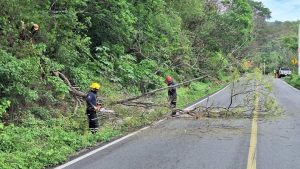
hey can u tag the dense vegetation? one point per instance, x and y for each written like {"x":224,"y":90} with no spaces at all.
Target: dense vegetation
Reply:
{"x":276,"y":45}
{"x":124,"y":45}
{"x":293,"y":80}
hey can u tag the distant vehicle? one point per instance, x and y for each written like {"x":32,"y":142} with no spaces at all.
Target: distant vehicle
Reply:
{"x":284,"y":72}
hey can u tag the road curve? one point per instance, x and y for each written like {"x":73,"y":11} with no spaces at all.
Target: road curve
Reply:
{"x":179,"y":144}
{"x":209,"y":143}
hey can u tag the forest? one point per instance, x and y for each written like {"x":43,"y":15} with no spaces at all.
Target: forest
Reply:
{"x":51,"y":51}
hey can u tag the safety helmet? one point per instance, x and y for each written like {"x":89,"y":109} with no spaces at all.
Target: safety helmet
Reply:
{"x":95,"y":86}
{"x":35,"y":27}
{"x":168,"y":79}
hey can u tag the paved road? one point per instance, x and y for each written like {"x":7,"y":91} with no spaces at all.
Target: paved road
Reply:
{"x":279,"y":138}
{"x":209,"y":143}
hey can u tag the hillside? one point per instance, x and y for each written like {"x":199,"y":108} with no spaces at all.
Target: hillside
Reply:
{"x":51,"y":51}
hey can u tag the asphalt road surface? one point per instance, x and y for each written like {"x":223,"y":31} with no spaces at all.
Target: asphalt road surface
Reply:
{"x":210,"y":143}
{"x":279,"y":138}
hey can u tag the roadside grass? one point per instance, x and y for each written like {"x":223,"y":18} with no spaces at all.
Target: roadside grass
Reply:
{"x":195,"y":91}
{"x":293,"y":80}
{"x":37,"y":143}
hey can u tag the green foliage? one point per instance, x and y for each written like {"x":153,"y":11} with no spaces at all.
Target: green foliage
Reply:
{"x":239,"y":18}
{"x":294,"y":80}
{"x":59,"y":87}
{"x":111,"y":21}
{"x":41,"y":143}
{"x":39,"y":113}
{"x":4,"y":104}
{"x":195,"y":91}
{"x":105,"y":61}
{"x":129,"y":40}
{"x":290,"y":42}
{"x":81,"y":76}
{"x":121,"y":44}
{"x":18,"y":77}
{"x":127,"y":70}
{"x":260,"y":10}
{"x":217,"y":60}
{"x":277,"y":50}
{"x":134,"y":73}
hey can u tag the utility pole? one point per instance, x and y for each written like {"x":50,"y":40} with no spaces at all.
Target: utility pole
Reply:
{"x":298,"y":63}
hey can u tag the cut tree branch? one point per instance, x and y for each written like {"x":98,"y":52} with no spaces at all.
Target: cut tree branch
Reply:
{"x":157,"y":90}
{"x":72,"y":89}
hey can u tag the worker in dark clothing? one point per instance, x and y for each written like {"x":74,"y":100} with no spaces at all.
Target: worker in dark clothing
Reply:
{"x":31,"y":33}
{"x":93,"y":107}
{"x":172,"y":95}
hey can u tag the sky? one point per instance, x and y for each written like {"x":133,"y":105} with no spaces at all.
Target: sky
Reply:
{"x":283,"y":10}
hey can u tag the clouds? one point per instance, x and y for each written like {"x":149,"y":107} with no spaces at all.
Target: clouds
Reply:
{"x":283,"y":10}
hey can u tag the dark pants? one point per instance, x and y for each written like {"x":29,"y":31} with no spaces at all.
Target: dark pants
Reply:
{"x":173,"y":107}
{"x":93,"y":121}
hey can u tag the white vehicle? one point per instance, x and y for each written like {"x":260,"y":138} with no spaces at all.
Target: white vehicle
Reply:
{"x":284,"y":72}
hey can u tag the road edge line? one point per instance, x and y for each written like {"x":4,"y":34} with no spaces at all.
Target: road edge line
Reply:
{"x":100,"y":149}
{"x":290,"y":86}
{"x":204,"y":99}
{"x":127,"y":136}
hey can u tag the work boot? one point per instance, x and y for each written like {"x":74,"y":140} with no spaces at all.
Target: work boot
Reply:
{"x":94,"y":130}
{"x":173,"y":114}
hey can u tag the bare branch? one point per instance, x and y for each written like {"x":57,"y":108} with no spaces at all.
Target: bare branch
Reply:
{"x":72,"y":89}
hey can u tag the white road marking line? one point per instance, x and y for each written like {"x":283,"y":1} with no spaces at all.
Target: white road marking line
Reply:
{"x":156,"y":123}
{"x":291,"y":86}
{"x":100,"y":149}
{"x":127,"y":136}
{"x":194,"y":105}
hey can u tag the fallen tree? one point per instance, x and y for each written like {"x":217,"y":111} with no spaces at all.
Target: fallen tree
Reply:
{"x":77,"y":95}
{"x":125,"y":101}
{"x":72,"y":89}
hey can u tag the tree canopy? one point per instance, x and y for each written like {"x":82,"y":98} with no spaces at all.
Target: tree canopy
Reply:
{"x":51,"y":50}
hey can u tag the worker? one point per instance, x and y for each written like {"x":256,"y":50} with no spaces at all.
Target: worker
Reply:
{"x":34,"y":28}
{"x":35,"y":37}
{"x":29,"y":34}
{"x":172,"y":95}
{"x":275,"y":73}
{"x":93,"y":107}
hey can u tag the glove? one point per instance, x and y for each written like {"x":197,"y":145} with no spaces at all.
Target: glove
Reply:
{"x":98,"y":107}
